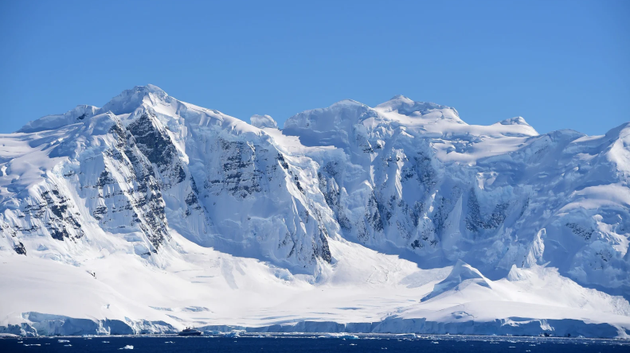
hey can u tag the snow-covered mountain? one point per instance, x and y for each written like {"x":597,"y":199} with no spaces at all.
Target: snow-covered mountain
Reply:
{"x":150,"y":213}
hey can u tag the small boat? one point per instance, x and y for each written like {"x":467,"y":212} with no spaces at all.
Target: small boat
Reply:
{"x":189,"y":331}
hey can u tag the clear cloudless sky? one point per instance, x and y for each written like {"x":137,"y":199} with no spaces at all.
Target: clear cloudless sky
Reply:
{"x":559,"y":64}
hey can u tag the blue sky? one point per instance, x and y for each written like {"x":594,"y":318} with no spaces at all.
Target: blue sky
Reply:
{"x":559,"y":64}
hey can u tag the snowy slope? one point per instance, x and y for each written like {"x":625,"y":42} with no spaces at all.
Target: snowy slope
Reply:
{"x":150,"y":213}
{"x":413,"y":177}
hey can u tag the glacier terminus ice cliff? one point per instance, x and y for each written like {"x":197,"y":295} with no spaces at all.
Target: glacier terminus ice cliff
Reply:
{"x":150,"y":214}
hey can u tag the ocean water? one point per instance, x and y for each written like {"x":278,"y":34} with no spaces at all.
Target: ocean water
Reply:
{"x":312,"y":343}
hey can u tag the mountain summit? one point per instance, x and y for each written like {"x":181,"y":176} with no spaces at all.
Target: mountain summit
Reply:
{"x":129,"y":100}
{"x":150,"y":214}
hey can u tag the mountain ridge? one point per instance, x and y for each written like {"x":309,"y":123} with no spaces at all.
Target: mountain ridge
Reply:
{"x":405,"y":184}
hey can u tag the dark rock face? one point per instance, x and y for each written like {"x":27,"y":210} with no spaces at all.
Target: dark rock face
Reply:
{"x":332,"y":194}
{"x":238,"y":175}
{"x":158,"y":147}
{"x":49,"y":213}
{"x":241,"y":173}
{"x":142,"y":204}
{"x":20,"y":249}
{"x":322,"y":250}
{"x":580,"y":231}
{"x":475,"y":222}
{"x":60,"y":222}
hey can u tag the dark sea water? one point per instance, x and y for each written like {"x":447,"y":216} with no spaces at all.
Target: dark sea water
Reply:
{"x":312,"y":343}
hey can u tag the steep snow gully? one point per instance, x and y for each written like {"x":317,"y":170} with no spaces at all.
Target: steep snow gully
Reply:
{"x":150,"y":214}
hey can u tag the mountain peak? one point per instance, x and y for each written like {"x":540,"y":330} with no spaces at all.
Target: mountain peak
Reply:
{"x":514,"y":121}
{"x":407,"y":106}
{"x":78,"y":113}
{"x":401,"y":98}
{"x":346,"y":102}
{"x":126,"y":102}
{"x":129,"y":100}
{"x":263,"y":121}
{"x":151,"y":88}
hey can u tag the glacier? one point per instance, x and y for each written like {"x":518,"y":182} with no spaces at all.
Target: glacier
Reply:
{"x":150,"y":214}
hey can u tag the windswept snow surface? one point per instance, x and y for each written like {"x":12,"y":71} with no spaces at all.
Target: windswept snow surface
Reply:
{"x":151,"y":214}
